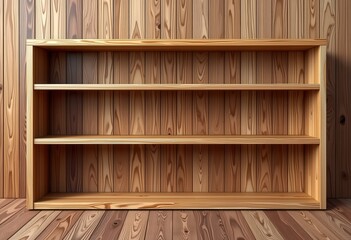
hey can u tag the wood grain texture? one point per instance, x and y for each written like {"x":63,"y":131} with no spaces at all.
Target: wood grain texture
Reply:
{"x":184,"y":99}
{"x":121,"y":121}
{"x":105,"y":102}
{"x":58,"y":125}
{"x":134,"y":225}
{"x":121,"y":100}
{"x":90,"y":104}
{"x":137,"y":99}
{"x":17,"y":221}
{"x":209,"y":225}
{"x":11,"y":100}
{"x":36,"y":225}
{"x":160,"y":225}
{"x":184,"y":226}
{"x":85,"y":225}
{"x":248,"y":99}
{"x":61,"y":225}
{"x":42,"y":20}
{"x":328,"y":31}
{"x":236,"y":225}
{"x":26,"y":18}
{"x":261,"y":226}
{"x":342,"y":72}
{"x":110,"y":225}
{"x":10,"y":209}
{"x":333,"y":223}
{"x":216,"y":98}
{"x":152,"y":99}
{"x":264,"y":99}
{"x":200,"y":99}
{"x":232,"y":99}
{"x":58,"y":167}
{"x":286,"y":225}
{"x":2,"y":99}
{"x":74,"y":121}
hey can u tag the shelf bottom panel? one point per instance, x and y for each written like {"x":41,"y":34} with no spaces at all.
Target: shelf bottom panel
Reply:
{"x":177,"y":201}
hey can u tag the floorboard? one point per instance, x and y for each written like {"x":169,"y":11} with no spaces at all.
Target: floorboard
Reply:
{"x":16,"y":222}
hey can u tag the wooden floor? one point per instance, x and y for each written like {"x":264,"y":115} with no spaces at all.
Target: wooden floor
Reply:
{"x":18,"y":223}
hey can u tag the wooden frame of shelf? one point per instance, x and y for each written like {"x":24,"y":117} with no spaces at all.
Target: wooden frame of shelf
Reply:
{"x":310,"y":145}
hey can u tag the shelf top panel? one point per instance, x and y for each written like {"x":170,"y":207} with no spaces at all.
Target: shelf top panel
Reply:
{"x":177,"y":44}
{"x":177,"y":139}
{"x":175,"y":87}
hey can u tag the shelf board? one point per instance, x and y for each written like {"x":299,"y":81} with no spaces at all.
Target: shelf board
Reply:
{"x":191,"y":87}
{"x":177,"y":201}
{"x":178,"y":139}
{"x":177,"y":44}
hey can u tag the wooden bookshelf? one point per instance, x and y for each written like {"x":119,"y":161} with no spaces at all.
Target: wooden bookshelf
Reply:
{"x":166,"y":124}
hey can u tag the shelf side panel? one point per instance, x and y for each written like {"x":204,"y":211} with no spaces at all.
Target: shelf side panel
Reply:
{"x":30,"y":124}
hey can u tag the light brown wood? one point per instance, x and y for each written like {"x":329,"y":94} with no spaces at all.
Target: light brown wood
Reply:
{"x":105,"y":102}
{"x":138,"y":220}
{"x":30,"y":132}
{"x":148,"y":94}
{"x":36,"y":225}
{"x":179,"y":139}
{"x":58,"y":99}
{"x":178,"y":87}
{"x":11,"y":99}
{"x":176,"y":44}
{"x":2,"y":98}
{"x":90,"y":105}
{"x":178,"y":200}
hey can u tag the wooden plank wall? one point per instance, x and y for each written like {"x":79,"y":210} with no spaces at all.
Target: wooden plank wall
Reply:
{"x":173,"y":19}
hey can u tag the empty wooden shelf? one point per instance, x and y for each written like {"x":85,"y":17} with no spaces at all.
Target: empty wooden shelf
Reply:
{"x":165,"y":124}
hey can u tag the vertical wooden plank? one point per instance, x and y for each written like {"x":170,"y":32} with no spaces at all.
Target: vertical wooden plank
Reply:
{"x":264,"y":98}
{"x":232,"y":98}
{"x":105,"y":102}
{"x":184,"y":98}
{"x":42,"y":19}
{"x":343,"y":101}
{"x":296,"y":29}
{"x":121,"y":99}
{"x":90,"y":99}
{"x":279,"y":99}
{"x":200,"y":98}
{"x":313,"y":160}
{"x":343,"y":169}
{"x":26,"y":32}
{"x":137,"y":98}
{"x":248,"y":99}
{"x":328,"y":31}
{"x":1,"y":100}
{"x":30,"y":132}
{"x":58,"y":123}
{"x":58,"y":99}
{"x":152,"y":98}
{"x":296,"y":19}
{"x":74,"y":114}
{"x":11,"y":99}
{"x":216,"y":98}
{"x":311,"y":18}
{"x":168,"y":103}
